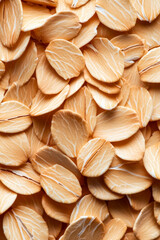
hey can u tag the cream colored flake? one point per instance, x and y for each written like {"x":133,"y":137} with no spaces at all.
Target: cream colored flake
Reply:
{"x":95,"y":157}
{"x":49,"y":82}
{"x":75,"y":84}
{"x":65,"y":58}
{"x":62,"y":25}
{"x":147,"y":10}
{"x":117,"y":15}
{"x":76,"y":3}
{"x":104,"y":61}
{"x":155,"y":94}
{"x":89,"y":206}
{"x":24,"y":223}
{"x":60,"y":184}
{"x":34,"y":16}
{"x":145,"y":226}
{"x":11,"y":16}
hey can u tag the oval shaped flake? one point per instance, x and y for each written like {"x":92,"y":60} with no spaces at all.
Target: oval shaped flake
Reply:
{"x":131,"y":45}
{"x":127,"y":178}
{"x":116,"y":125}
{"x":65,"y":58}
{"x":61,"y":184}
{"x":24,"y":223}
{"x":149,"y":66}
{"x":131,"y":149}
{"x":69,"y":132}
{"x":101,"y":54}
{"x":48,"y":156}
{"x":34,"y":16}
{"x":89,"y":206}
{"x":11,"y":16}
{"x":23,"y":180}
{"x":145,"y":226}
{"x":14,"y":117}
{"x":95,"y":157}
{"x":14,"y":149}
{"x":152,"y":160}
{"x":62,"y":25}
{"x":115,"y":229}
{"x":85,"y":228}
{"x":54,"y":83}
{"x":118,"y":15}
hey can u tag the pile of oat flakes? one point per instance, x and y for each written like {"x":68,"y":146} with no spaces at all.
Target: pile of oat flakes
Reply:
{"x":79,"y":119}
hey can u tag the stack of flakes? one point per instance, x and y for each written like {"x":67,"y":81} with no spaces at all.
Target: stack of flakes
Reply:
{"x":79,"y":119}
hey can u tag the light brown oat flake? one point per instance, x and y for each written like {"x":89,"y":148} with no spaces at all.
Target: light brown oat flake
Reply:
{"x":56,"y":210}
{"x":24,"y":223}
{"x":62,"y":25}
{"x":60,"y":184}
{"x":34,"y":16}
{"x":23,"y":94}
{"x":104,"y":61}
{"x":85,"y":228}
{"x":48,"y":156}
{"x":2,"y":69}
{"x":14,"y":149}
{"x":149,"y":66}
{"x":49,"y":82}
{"x":82,"y":103}
{"x":11,"y":16}
{"x":147,"y":10}
{"x":139,"y":200}
{"x":75,"y":84}
{"x":7,"y":198}
{"x":66,"y":58}
{"x":54,"y":226}
{"x":125,"y":90}
{"x":127,"y":178}
{"x":131,"y":45}
{"x":42,"y":128}
{"x":23,"y":68}
{"x":14,"y":117}
{"x":151,"y":160}
{"x":23,"y":180}
{"x":33,"y":201}
{"x":87,"y":32}
{"x":89,"y":206}
{"x":116,"y":125}
{"x":117,"y":15}
{"x":115,"y":229}
{"x":145,"y":226}
{"x":140,"y":100}
{"x":157,"y":212}
{"x":131,"y":149}
{"x":121,"y":209}
{"x":51,"y":3}
{"x":155,"y":94}
{"x":99,"y":189}
{"x":2,"y":92}
{"x":10,"y":54}
{"x":149,"y":32}
{"x":110,"y":88}
{"x":95,"y":157}
{"x":69,"y":132}
{"x":43,"y":104}
{"x":84,"y":13}
{"x":106,"y":32}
